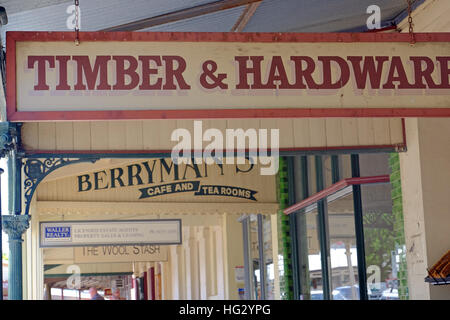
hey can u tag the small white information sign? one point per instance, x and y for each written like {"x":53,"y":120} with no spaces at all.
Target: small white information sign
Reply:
{"x":97,"y":233}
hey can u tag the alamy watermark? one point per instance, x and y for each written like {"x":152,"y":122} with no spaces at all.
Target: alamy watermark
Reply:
{"x":71,"y":21}
{"x":374,"y":20}
{"x":229,"y":149}
{"x":74,"y":281}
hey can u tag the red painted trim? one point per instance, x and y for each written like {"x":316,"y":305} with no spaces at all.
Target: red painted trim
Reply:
{"x":145,"y":286}
{"x":152,"y":283}
{"x":404,"y":146}
{"x":11,"y":103}
{"x":228,"y":36}
{"x":14,"y":116}
{"x":333,"y":189}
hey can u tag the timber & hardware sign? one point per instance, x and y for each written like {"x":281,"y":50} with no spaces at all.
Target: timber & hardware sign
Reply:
{"x":145,"y":75}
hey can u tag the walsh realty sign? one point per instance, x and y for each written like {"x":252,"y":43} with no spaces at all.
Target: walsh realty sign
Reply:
{"x":165,"y":75}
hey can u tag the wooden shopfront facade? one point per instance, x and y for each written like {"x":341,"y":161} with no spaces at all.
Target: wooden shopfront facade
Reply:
{"x":92,"y":125}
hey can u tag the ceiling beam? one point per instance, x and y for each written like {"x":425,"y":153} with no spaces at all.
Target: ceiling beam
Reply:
{"x":245,"y":17}
{"x":181,"y":15}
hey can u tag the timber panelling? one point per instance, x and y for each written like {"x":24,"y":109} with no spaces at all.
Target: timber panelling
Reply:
{"x":156,"y":134}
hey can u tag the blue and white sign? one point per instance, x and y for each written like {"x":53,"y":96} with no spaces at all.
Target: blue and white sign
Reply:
{"x":98,"y":233}
{"x":60,"y":233}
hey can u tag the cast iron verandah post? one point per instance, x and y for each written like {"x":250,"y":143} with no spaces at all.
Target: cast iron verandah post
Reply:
{"x":14,"y":224}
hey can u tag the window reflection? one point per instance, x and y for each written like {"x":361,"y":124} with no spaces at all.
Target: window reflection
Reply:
{"x":268,"y":259}
{"x":382,"y":229}
{"x":343,"y":253}
{"x":262,"y":276}
{"x":254,"y":254}
{"x":383,"y":257}
{"x":310,"y":260}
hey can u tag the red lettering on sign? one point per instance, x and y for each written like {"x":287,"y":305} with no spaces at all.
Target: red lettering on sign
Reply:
{"x":368,"y":71}
{"x":245,"y":71}
{"x":423,"y":74}
{"x":173,"y":73}
{"x":306,"y":74}
{"x":277,"y":73}
{"x":62,"y":85}
{"x":42,"y":84}
{"x":445,"y":72}
{"x":147,"y":71}
{"x":91,"y":74}
{"x":121,"y":72}
{"x":166,"y":72}
{"x":327,"y":79}
{"x":397,"y":68}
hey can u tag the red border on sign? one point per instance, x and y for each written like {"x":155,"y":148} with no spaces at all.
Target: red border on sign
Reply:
{"x":29,"y":116}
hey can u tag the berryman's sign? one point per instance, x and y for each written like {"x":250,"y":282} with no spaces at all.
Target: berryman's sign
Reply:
{"x":165,"y":75}
{"x":161,"y":177}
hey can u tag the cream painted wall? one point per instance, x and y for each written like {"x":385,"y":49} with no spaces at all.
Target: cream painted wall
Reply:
{"x":411,"y":178}
{"x":425,"y":171}
{"x":435,"y":163}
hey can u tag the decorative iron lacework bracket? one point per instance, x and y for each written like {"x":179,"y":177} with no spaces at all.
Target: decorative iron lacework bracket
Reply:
{"x":37,"y":169}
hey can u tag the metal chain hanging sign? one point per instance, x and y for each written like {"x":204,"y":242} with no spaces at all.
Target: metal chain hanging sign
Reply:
{"x":410,"y":23}
{"x":77,"y":22}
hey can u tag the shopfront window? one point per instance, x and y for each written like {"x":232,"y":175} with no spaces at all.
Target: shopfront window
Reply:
{"x":343,"y":251}
{"x":382,"y":254}
{"x":259,"y":267}
{"x":343,"y":218}
{"x":255,"y":261}
{"x":335,"y":168}
{"x":311,"y":266}
{"x":268,"y":258}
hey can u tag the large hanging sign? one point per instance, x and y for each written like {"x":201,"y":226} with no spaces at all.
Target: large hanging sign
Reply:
{"x":162,"y":180}
{"x":104,"y":233}
{"x":158,"y":178}
{"x":225,"y":75}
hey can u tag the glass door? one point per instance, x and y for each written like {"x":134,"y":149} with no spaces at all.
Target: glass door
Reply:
{"x":310,"y":254}
{"x":338,"y":230}
{"x":343,"y":251}
{"x":259,"y":269}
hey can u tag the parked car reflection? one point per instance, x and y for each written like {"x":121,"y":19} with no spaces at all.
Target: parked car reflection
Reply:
{"x":318,"y":295}
{"x":346,"y":293}
{"x":375,"y":290}
{"x":390,"y":294}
